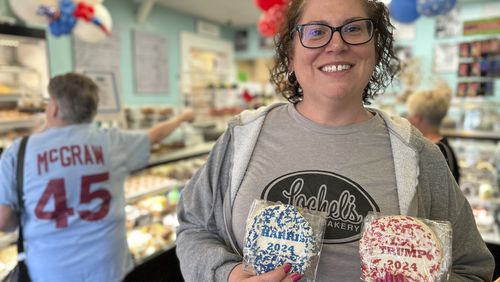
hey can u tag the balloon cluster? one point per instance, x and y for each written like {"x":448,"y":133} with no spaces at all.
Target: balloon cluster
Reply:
{"x":88,"y":21}
{"x":273,"y":16}
{"x":407,"y":11}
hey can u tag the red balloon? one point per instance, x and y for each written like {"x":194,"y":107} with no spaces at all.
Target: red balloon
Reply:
{"x":265,"y":5}
{"x":266,"y":27}
{"x":270,"y":22}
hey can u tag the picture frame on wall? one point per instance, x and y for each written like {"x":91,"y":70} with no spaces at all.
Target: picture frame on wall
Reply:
{"x":446,"y":57}
{"x":241,"y":40}
{"x":449,"y":24}
{"x":109,"y":99}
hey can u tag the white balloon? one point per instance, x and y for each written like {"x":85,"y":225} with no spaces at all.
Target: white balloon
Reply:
{"x":88,"y":31}
{"x":51,"y":3}
{"x":26,"y":10}
{"x":90,"y":2}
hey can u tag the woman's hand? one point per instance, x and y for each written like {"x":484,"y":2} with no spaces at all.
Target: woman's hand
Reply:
{"x":280,"y":274}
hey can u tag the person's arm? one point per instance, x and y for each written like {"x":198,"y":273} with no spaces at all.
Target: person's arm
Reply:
{"x":201,"y":245}
{"x":8,"y":219}
{"x":158,"y":132}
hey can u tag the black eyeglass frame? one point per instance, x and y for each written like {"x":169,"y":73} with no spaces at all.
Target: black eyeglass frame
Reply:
{"x":300,"y":29}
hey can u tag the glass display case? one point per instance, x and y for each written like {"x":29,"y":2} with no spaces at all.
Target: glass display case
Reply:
{"x":24,"y":75}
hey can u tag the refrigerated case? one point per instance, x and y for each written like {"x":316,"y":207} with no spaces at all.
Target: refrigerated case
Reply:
{"x":24,"y":75}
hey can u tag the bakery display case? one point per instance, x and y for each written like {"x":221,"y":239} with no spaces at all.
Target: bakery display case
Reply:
{"x":473,"y":128}
{"x":24,"y":75}
{"x":152,"y":195}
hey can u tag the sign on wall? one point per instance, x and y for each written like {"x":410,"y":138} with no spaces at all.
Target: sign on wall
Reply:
{"x":150,"y":63}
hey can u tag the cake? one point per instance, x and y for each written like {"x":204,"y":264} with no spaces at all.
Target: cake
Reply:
{"x":279,"y":234}
{"x":400,"y":245}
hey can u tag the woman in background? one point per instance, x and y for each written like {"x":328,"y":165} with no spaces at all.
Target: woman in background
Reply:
{"x":426,"y":111}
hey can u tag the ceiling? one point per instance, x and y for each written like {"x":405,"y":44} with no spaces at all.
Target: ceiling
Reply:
{"x":226,"y":12}
{"x":229,"y":12}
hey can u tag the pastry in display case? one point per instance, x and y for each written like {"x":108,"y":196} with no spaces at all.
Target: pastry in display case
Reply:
{"x":152,"y":195}
{"x":473,"y":130}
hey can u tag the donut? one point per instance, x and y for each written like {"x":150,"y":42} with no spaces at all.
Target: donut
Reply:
{"x":400,"y":244}
{"x":279,"y":234}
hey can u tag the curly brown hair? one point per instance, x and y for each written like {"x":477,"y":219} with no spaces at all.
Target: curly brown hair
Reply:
{"x":385,"y":70}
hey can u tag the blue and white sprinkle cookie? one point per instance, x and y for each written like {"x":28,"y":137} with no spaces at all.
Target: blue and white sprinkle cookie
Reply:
{"x":279,"y":234}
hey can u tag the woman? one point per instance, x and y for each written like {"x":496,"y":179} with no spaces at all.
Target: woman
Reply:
{"x":426,"y":111}
{"x":332,"y":57}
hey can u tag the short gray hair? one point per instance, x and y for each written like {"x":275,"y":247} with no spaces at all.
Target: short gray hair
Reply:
{"x":77,"y":97}
{"x":431,"y":105}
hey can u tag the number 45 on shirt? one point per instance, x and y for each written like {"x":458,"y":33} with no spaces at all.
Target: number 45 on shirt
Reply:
{"x":56,"y":188}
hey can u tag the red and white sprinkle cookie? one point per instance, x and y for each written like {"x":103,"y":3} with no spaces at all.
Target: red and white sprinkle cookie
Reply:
{"x":400,"y":245}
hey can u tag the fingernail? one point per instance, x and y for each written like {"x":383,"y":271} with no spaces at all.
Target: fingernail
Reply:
{"x":287,"y":267}
{"x":400,"y":277}
{"x":296,"y":277}
{"x":388,"y":277}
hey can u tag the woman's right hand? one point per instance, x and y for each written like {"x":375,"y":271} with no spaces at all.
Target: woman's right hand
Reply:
{"x":280,"y":274}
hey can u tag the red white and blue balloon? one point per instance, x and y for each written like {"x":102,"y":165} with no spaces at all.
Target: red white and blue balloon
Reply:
{"x":432,"y":8}
{"x":89,"y":20}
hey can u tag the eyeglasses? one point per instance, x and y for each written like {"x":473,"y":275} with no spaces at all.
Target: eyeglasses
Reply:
{"x":316,"y":35}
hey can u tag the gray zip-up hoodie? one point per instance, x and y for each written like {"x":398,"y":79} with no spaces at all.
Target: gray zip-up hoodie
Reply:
{"x":205,"y":245}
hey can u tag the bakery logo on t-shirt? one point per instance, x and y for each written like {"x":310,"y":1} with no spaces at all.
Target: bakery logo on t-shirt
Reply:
{"x":345,"y":202}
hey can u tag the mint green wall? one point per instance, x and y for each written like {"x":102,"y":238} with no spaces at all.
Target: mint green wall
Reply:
{"x":253,"y":50}
{"x":425,"y":40}
{"x":123,"y":13}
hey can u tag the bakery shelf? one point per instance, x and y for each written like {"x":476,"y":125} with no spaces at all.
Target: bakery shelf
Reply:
{"x":471,"y":134}
{"x":13,"y":97}
{"x":155,"y":190}
{"x":181,"y":154}
{"x":16,"y":69}
{"x":476,"y":78}
{"x":23,"y":123}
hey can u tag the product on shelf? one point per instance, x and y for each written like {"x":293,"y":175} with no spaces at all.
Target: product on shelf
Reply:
{"x":8,"y":259}
{"x":484,"y":219}
{"x":157,"y":205}
{"x":13,"y":115}
{"x":162,"y":148}
{"x":147,"y":240}
{"x":6,"y":90}
{"x":479,"y":65}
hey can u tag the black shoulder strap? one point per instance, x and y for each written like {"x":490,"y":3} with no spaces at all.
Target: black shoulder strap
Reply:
{"x":20,"y":182}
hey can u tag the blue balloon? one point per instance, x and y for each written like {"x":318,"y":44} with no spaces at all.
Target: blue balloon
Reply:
{"x":432,"y":8}
{"x":66,"y":21}
{"x":404,"y":11}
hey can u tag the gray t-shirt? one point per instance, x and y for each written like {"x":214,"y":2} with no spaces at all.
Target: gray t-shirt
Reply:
{"x":346,"y":171}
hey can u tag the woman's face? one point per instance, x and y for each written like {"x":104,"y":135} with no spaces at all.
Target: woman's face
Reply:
{"x":337,"y":71}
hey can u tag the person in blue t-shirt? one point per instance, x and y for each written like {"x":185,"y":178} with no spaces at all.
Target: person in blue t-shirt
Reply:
{"x":74,"y":173}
